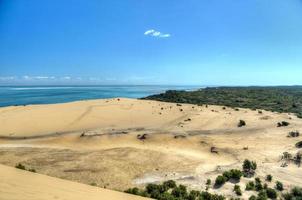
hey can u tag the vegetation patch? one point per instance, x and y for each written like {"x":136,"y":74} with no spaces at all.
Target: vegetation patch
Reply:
{"x":170,"y":191}
{"x":22,"y":167}
{"x":283,"y":123}
{"x":294,"y":134}
{"x":241,"y":123}
{"x":249,"y":168}
{"x":286,"y":99}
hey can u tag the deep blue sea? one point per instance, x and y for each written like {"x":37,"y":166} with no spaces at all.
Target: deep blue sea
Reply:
{"x":24,"y":95}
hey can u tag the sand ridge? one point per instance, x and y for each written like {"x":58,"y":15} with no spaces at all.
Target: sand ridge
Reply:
{"x":18,"y":184}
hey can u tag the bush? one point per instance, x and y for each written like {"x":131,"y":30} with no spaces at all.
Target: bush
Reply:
{"x":262,"y":195}
{"x":220,"y":180}
{"x":287,"y":196}
{"x":249,"y":168}
{"x":169,"y":184}
{"x":237,"y":190}
{"x":151,"y":188}
{"x":283,"y":123}
{"x":227,"y":175}
{"x":271,"y":193}
{"x":258,"y":185}
{"x":241,"y":123}
{"x":193,"y":195}
{"x":32,"y":170}
{"x":208,"y":182}
{"x":134,"y":190}
{"x":253,"y":197}
{"x":247,"y":165}
{"x":180,"y":191}
{"x":232,"y":174}
{"x":279,"y":186}
{"x":269,"y":178}
{"x":20,"y":166}
{"x":294,"y":134}
{"x":299,"y":144}
{"x":250,"y":186}
{"x":296,"y":192}
{"x":209,"y":196}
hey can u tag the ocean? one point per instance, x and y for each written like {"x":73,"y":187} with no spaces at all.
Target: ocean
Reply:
{"x":25,"y":95}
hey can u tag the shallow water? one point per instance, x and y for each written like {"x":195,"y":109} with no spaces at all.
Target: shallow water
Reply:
{"x":24,"y":95}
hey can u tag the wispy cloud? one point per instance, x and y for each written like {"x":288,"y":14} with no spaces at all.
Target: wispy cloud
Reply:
{"x":7,"y":78}
{"x":154,"y":33}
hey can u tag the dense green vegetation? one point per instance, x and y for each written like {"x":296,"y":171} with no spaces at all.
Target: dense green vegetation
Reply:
{"x":169,"y":190}
{"x":280,"y":99}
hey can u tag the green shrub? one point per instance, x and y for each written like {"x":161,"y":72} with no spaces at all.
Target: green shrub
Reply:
{"x":269,"y":178}
{"x":151,"y":188}
{"x":193,"y":195}
{"x":262,"y":195}
{"x":180,"y":191}
{"x":249,"y":168}
{"x":279,"y":186}
{"x":220,"y":180}
{"x":253,"y":197}
{"x":250,"y":186}
{"x":227,"y":175}
{"x":241,"y":123}
{"x":32,"y":170}
{"x":294,"y":134}
{"x":247,"y":165}
{"x":299,"y":144}
{"x":271,"y":193}
{"x":169,"y":184}
{"x":237,"y":190}
{"x":209,"y":196}
{"x":208,"y":182}
{"x":297,"y":192}
{"x":20,"y":166}
{"x":134,"y":190}
{"x":258,"y":185}
{"x":283,"y":123}
{"x":232,"y":174}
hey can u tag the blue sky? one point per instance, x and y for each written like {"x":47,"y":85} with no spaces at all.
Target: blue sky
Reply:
{"x":199,"y":42}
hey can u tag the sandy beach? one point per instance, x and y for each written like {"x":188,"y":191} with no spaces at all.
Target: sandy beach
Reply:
{"x":120,"y":143}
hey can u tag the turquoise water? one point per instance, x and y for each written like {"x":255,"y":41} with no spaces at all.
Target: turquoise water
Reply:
{"x":24,"y":95}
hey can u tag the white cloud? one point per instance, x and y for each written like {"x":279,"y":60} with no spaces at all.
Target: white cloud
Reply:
{"x":66,"y":78}
{"x":149,"y":32}
{"x":7,"y":78}
{"x":165,"y":35}
{"x":155,"y":33}
{"x":41,"y":77}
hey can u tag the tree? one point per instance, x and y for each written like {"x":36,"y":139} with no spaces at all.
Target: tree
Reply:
{"x":262,"y":195}
{"x":180,"y":191}
{"x":169,"y":184}
{"x":269,"y":178}
{"x":237,"y":190}
{"x":220,"y":180}
{"x":250,"y":186}
{"x":271,"y":193}
{"x":249,"y":168}
{"x":279,"y":186}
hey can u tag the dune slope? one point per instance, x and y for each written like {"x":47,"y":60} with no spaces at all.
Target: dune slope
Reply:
{"x":18,"y":184}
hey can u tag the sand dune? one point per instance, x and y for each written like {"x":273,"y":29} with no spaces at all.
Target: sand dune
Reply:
{"x":18,"y":184}
{"x":121,"y":143}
